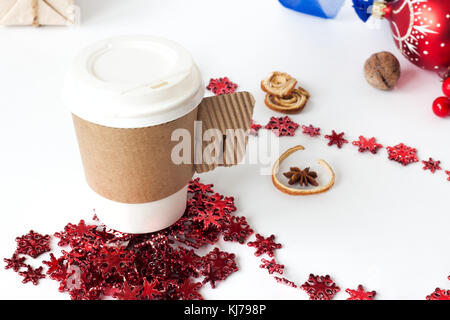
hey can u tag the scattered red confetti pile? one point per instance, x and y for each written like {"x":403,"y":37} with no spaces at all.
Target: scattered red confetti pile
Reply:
{"x":448,"y":173}
{"x":367,"y":144}
{"x":15,"y":263}
{"x":272,"y":266}
{"x":439,"y":294}
{"x":286,"y":282}
{"x":221,"y":86}
{"x":402,"y":154}
{"x":33,"y":244}
{"x":431,"y":165}
{"x":282,"y":126}
{"x":337,"y":139}
{"x":320,"y":287}
{"x":32,"y":275}
{"x":311,"y":131}
{"x":264,"y":245}
{"x":96,"y":262}
{"x":360,"y":294}
{"x":254,"y":128}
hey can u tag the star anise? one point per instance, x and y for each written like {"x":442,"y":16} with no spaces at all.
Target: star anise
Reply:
{"x":304,"y":177}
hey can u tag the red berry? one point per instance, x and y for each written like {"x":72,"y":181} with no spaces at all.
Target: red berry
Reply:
{"x":441,"y":107}
{"x":446,"y":87}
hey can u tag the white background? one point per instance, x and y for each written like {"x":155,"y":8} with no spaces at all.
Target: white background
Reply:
{"x":383,"y":225}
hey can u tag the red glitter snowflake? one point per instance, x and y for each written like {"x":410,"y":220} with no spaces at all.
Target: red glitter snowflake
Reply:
{"x":32,"y":275}
{"x":282,"y":126}
{"x":33,"y":244}
{"x":113,"y":260}
{"x":431,"y":165}
{"x":367,"y":144}
{"x":311,"y":131}
{"x":272,"y":266}
{"x":236,"y":229}
{"x":217,"y":266}
{"x":285,"y":282}
{"x":264,"y":245}
{"x":189,"y":290}
{"x":448,"y":174}
{"x":221,"y":205}
{"x":195,"y":186}
{"x":150,"y":291}
{"x":221,"y":86}
{"x":320,"y":287}
{"x":337,"y":139}
{"x":360,"y":294}
{"x":402,"y":154}
{"x":439,"y":294}
{"x":129,"y":292}
{"x":76,"y":233}
{"x":209,"y":218}
{"x":15,"y":262}
{"x":254,"y":128}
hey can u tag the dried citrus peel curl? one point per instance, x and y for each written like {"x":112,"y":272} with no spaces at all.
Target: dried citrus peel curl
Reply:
{"x":300,"y":192}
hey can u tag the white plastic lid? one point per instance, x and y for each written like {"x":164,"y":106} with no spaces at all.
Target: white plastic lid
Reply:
{"x":133,"y":82}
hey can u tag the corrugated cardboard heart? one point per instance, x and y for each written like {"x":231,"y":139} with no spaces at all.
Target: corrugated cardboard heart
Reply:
{"x":36,"y":12}
{"x":135,"y":165}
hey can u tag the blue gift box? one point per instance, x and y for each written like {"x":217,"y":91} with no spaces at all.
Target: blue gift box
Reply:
{"x":320,"y":8}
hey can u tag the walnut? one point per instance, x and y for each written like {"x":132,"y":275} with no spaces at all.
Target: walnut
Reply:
{"x":382,"y":70}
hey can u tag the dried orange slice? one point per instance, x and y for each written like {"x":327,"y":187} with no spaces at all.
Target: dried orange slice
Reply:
{"x":279,"y":84}
{"x":300,"y":192}
{"x":293,"y":102}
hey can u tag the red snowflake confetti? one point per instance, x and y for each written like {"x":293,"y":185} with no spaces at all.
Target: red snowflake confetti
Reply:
{"x":320,"y":287}
{"x":311,"y":131}
{"x":189,"y":290}
{"x":264,"y":245}
{"x":431,"y":165}
{"x":33,"y":244}
{"x":367,"y":144}
{"x":195,"y":186}
{"x":209,"y":218}
{"x":218,"y":265}
{"x":129,"y":292}
{"x":236,"y":229}
{"x":448,"y":173}
{"x":272,"y":266}
{"x":439,"y":294}
{"x":360,"y":294}
{"x":282,"y":126}
{"x":32,"y":275}
{"x":254,"y":128}
{"x":15,"y":263}
{"x":337,"y":139}
{"x":285,"y":282}
{"x":221,"y":86}
{"x":402,"y":154}
{"x":150,"y":291}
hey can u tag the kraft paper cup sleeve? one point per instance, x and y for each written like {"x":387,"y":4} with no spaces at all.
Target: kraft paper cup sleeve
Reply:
{"x":231,"y":114}
{"x":133,"y":165}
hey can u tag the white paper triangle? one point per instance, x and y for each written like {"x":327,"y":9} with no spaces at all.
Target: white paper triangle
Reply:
{"x":49,"y":16}
{"x":21,"y":13}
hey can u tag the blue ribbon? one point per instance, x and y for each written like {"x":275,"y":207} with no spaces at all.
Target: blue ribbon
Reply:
{"x":319,"y":8}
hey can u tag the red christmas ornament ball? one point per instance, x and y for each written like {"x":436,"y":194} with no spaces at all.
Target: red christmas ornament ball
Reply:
{"x":421,"y":30}
{"x":441,"y":107}
{"x":446,"y":87}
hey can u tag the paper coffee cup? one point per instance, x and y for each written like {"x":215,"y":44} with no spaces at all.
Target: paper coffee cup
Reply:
{"x":127,"y":96}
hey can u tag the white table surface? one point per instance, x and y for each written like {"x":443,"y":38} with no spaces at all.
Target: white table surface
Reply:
{"x":383,"y":225}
